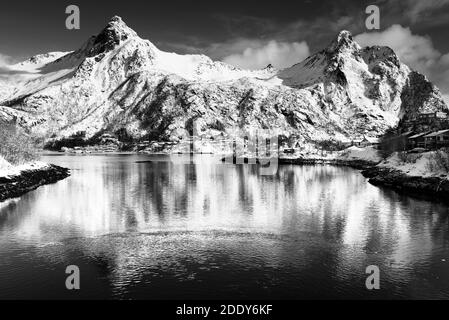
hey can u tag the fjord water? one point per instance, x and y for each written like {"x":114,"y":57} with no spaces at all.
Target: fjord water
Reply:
{"x":156,"y":227}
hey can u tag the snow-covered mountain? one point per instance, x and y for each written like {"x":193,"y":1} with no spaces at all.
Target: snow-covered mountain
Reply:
{"x":117,"y":81}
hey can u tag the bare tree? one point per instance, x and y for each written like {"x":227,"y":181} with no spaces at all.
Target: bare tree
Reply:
{"x":16,"y":146}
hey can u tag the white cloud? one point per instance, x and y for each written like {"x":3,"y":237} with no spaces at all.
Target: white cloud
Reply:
{"x":258,"y":54}
{"x":5,"y":67}
{"x":5,"y":61}
{"x":418,"y":52}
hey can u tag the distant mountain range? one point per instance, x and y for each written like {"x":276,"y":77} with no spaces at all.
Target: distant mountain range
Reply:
{"x":118,"y":82}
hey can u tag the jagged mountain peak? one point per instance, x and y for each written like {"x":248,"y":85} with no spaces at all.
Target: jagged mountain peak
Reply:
{"x":343,"y":42}
{"x":116,"y":20}
{"x":115,"y":33}
{"x":119,"y":27}
{"x":374,"y":55}
{"x":329,"y":64}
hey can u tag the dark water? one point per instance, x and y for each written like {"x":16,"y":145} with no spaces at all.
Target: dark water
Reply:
{"x":164,"y":229}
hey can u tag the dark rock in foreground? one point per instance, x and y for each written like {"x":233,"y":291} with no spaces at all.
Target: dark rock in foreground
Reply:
{"x":26,"y":181}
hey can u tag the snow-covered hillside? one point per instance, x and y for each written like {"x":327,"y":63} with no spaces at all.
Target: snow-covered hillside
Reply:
{"x":118,"y":82}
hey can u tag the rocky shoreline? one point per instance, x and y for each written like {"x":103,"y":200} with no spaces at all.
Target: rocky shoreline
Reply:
{"x":429,"y":187}
{"x":356,"y":164}
{"x":17,"y":185}
{"x":423,"y":187}
{"x":432,"y":188}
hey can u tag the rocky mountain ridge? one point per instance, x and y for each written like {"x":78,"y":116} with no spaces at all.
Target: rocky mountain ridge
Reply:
{"x":121,"y":84}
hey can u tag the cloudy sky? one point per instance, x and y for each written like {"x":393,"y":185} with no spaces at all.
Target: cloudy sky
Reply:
{"x":246,"y":33}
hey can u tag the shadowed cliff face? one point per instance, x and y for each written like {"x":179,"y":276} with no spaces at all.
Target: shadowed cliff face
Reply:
{"x":112,"y":35}
{"x":420,"y":96}
{"x":119,"y":82}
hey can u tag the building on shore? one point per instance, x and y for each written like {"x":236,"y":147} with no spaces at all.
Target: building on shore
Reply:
{"x":436,"y":139}
{"x":365,"y":141}
{"x":427,"y":121}
{"x":417,"y":140}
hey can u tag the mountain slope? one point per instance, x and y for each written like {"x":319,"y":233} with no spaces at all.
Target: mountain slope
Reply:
{"x":117,"y":82}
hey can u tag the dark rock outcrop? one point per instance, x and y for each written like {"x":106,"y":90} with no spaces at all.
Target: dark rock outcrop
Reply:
{"x":420,"y":96}
{"x":433,"y":187}
{"x":356,"y":164}
{"x":16,"y":186}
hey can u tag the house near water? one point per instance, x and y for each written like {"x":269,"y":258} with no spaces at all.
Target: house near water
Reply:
{"x":437,"y":139}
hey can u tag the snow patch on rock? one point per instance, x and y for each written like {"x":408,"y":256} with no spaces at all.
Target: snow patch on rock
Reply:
{"x":7,"y":170}
{"x":416,"y":165}
{"x":365,"y":154}
{"x":4,"y":165}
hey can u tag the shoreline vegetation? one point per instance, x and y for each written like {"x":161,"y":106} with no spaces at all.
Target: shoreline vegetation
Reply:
{"x":20,"y":172}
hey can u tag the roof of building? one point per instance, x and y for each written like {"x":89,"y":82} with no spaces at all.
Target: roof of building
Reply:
{"x":419,"y":135}
{"x":344,"y":140}
{"x":372,"y":139}
{"x":437,"y":133}
{"x":405,"y":134}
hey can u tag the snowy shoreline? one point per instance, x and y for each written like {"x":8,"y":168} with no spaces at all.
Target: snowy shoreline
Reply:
{"x":16,"y":181}
{"x":411,"y":177}
{"x":419,"y":186}
{"x":410,"y":174}
{"x":426,"y":186}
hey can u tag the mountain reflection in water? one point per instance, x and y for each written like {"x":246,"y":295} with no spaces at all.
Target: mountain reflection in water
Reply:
{"x":170,"y":229}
